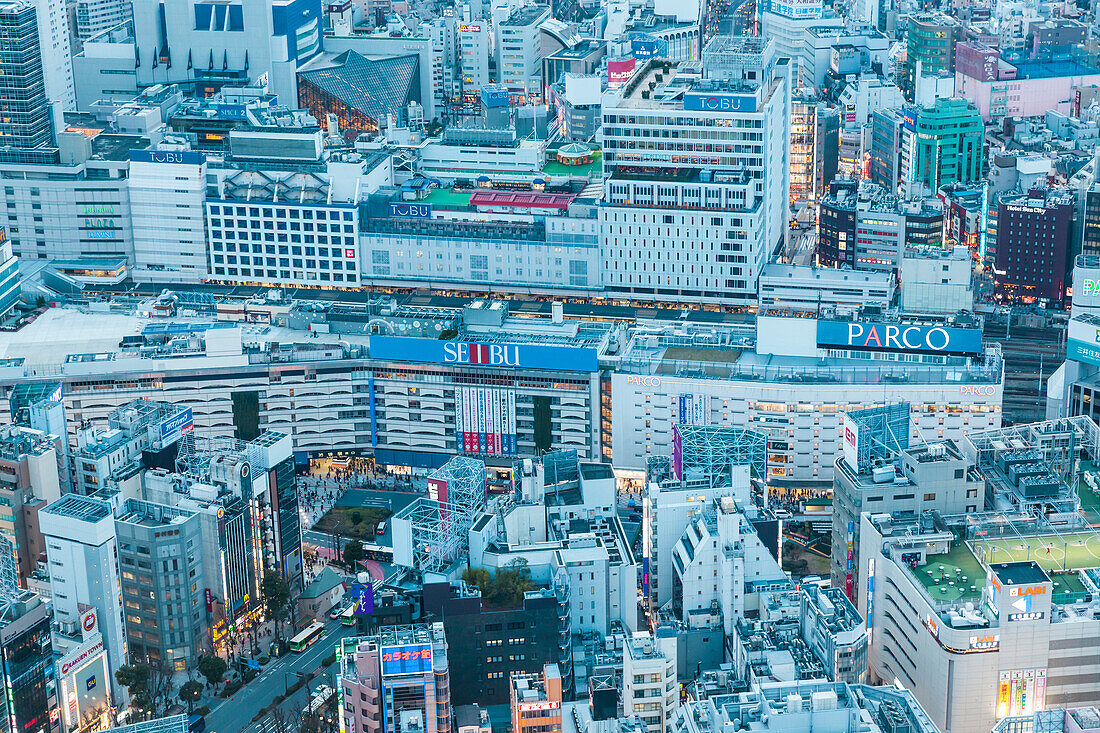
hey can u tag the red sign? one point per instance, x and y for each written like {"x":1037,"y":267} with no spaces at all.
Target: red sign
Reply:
{"x":619,"y":72}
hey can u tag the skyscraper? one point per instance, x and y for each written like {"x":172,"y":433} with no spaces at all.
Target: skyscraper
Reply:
{"x":26,"y":116}
{"x":27,"y":671}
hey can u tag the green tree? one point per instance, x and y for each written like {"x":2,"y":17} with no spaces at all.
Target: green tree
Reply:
{"x":190,"y":693}
{"x":356,"y":517}
{"x":212,"y":668}
{"x":135,"y":678}
{"x":353,"y":553}
{"x":276,"y":595}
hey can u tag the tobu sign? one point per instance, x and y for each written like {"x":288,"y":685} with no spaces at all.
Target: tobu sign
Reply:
{"x":719,"y":102}
{"x":404,"y":210}
{"x":177,"y":157}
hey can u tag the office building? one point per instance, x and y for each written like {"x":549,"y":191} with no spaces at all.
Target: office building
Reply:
{"x":29,"y":479}
{"x":720,"y":559}
{"x":973,"y":589}
{"x":536,"y":701}
{"x":473,"y":59}
{"x":881,"y":472}
{"x":28,"y":672}
{"x":519,"y":52}
{"x":930,"y":47}
{"x":31,"y":115}
{"x":650,"y":690}
{"x":1037,"y":85}
{"x":689,"y":226}
{"x":1034,"y":247}
{"x":498,"y":642}
{"x":937,"y":280}
{"x":84,"y":574}
{"x":206,"y":46}
{"x":396,"y":681}
{"x":943,"y":144}
{"x":815,"y":147}
{"x":96,"y":16}
{"x":161,"y":560}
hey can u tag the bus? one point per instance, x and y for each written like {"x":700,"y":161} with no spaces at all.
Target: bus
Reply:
{"x":347,"y":616}
{"x":379,"y":553}
{"x":312,"y":633}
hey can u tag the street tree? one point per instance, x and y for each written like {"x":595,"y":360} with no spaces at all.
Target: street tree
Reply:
{"x":213,"y":669}
{"x":190,"y":693}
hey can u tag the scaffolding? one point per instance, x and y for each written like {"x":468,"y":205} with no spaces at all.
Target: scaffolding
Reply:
{"x":883,"y":432}
{"x":195,"y":453}
{"x":441,"y":524}
{"x":709,"y":453}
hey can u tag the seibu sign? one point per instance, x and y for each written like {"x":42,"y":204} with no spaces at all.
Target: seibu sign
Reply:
{"x":465,"y":353}
{"x":899,"y":337}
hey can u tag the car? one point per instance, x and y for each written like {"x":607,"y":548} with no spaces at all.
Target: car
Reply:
{"x":335,"y":612}
{"x":782,"y":514}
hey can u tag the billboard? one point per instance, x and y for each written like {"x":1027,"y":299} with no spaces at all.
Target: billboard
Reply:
{"x":703,"y":102}
{"x":619,"y":71}
{"x":1021,"y":691}
{"x":976,"y":61}
{"x":1083,"y":342}
{"x":693,"y":409}
{"x":181,"y":423}
{"x":494,"y":96}
{"x":405,"y":210}
{"x":362,"y":598}
{"x":406,"y":659}
{"x":647,"y":48}
{"x":485,"y":421}
{"x":850,"y":444}
{"x":899,"y":337}
{"x":528,"y":356}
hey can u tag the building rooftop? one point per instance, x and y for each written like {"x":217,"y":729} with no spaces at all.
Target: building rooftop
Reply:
{"x":77,"y":506}
{"x":527,"y":15}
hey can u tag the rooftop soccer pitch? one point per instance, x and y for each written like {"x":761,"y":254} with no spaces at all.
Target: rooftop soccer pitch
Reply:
{"x":1052,"y":552}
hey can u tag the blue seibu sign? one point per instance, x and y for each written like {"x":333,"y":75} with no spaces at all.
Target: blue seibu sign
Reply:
{"x":404,"y":210}
{"x":525,"y":356}
{"x":899,"y":337}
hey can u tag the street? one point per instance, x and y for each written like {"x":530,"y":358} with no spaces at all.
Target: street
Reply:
{"x":235,"y":714}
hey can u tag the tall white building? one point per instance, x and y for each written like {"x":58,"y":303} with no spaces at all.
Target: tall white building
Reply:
{"x":473,"y":55}
{"x":95,"y":16}
{"x":167,"y":201}
{"x":668,"y":511}
{"x":83,"y":563}
{"x":519,"y":48}
{"x":695,"y":175}
{"x":57,"y":66}
{"x":650,"y":690}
